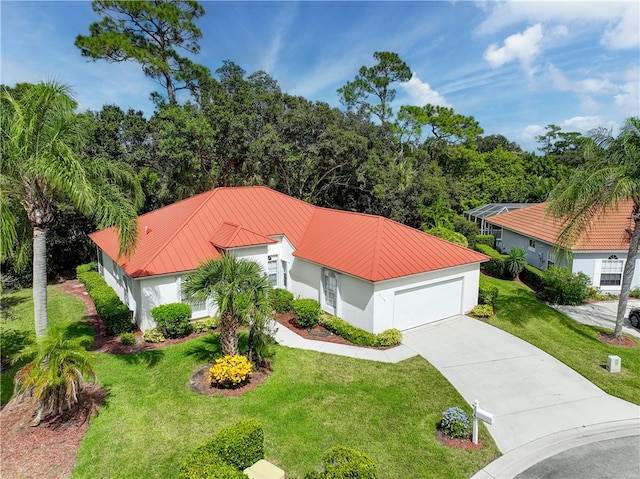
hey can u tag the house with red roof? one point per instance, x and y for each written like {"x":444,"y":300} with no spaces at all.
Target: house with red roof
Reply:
{"x":373,"y":272}
{"x":600,"y":252}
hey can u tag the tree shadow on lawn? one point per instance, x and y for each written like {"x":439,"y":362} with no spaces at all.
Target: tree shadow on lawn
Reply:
{"x":8,"y":302}
{"x":149,"y":358}
{"x":207,"y":349}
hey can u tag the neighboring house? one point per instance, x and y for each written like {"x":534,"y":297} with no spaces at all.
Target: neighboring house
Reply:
{"x":373,"y":272}
{"x":600,"y":252}
{"x":480,"y":214}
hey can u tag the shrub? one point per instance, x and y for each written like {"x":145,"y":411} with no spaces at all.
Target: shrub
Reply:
{"x":153,"y":335}
{"x":449,"y":235}
{"x":115,"y":315}
{"x":497,"y":265}
{"x":532,"y":277}
{"x":482,"y":311}
{"x":487,"y":294}
{"x":488,"y":240}
{"x":205,"y":464}
{"x":307,"y":312}
{"x":204,"y":325}
{"x":560,"y":286}
{"x":516,"y":261}
{"x":241,"y":444}
{"x":230,"y":371}
{"x":128,"y":339}
{"x":233,"y":449}
{"x":455,"y":423}
{"x":342,"y":462}
{"x":281,"y":300}
{"x":388,"y":337}
{"x":635,"y":293}
{"x":173,"y":319}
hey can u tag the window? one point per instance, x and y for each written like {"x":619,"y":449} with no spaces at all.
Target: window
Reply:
{"x":100,"y":263}
{"x":532,"y":245}
{"x":285,"y":274}
{"x":272,"y":271}
{"x":330,"y":286}
{"x":611,"y":271}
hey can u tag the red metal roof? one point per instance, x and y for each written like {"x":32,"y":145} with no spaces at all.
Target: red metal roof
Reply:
{"x":606,"y":233}
{"x":179,"y":237}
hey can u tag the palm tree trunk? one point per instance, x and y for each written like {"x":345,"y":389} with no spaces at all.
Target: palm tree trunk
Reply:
{"x":629,"y":270}
{"x":229,"y":334}
{"x":40,"y":281}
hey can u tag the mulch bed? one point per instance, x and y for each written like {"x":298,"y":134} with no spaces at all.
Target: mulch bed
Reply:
{"x":623,"y":341}
{"x":199,"y":383}
{"x":318,"y":333}
{"x":464,"y":444}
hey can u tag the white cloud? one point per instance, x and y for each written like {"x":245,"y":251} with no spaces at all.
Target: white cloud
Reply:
{"x":628,"y":100}
{"x":616,"y":23}
{"x":422,"y":94}
{"x":522,"y":47}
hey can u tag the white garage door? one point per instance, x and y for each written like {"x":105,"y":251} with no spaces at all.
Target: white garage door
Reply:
{"x":418,"y":306}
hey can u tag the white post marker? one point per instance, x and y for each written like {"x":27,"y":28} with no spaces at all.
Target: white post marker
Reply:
{"x":483,"y":416}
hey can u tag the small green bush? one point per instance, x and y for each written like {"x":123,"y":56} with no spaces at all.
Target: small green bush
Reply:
{"x":482,"y":311}
{"x":560,"y":286}
{"x":487,"y":294}
{"x":206,"y":464}
{"x":307,"y":312}
{"x":153,"y":335}
{"x":388,"y":337}
{"x":281,"y":300}
{"x":635,"y":293}
{"x":173,"y":319}
{"x":204,"y":325}
{"x":488,"y":240}
{"x":342,"y":462}
{"x":128,"y":339}
{"x":497,"y":265}
{"x":455,"y":423}
{"x":241,"y":444}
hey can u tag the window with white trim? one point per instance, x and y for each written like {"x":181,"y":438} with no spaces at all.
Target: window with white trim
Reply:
{"x":532,"y":245}
{"x":330,"y":288}
{"x":272,"y":271}
{"x":285,"y":274}
{"x":611,"y":271}
{"x":100,"y":263}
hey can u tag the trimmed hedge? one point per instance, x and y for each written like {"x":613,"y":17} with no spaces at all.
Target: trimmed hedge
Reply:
{"x":173,"y":319}
{"x":497,"y":265}
{"x":281,"y":300}
{"x":232,"y":450}
{"x":342,"y":462}
{"x":487,"y":294}
{"x":532,"y":277}
{"x":307,"y":312}
{"x":115,"y":315}
{"x":488,"y":240}
{"x":389,"y":337}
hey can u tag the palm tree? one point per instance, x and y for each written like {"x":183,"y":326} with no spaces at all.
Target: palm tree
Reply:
{"x":516,"y":261}
{"x":40,"y":134}
{"x":59,"y":364}
{"x":238,"y":287}
{"x":610,"y":175}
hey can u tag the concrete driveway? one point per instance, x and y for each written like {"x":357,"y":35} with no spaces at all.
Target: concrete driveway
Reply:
{"x":532,"y":395}
{"x":602,"y":313}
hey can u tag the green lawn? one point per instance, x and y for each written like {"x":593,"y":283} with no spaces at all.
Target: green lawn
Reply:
{"x":16,"y":319}
{"x":311,"y":401}
{"x":576,"y":345}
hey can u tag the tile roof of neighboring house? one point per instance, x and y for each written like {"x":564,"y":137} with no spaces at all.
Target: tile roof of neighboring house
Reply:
{"x":180,"y":236}
{"x":607,"y":232}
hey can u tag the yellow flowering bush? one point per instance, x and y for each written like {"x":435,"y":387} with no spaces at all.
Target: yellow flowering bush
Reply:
{"x":230,"y":371}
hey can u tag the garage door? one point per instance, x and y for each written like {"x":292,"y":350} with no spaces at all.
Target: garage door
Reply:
{"x":418,"y":306}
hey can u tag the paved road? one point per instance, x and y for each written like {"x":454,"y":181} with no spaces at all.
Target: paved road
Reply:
{"x":611,"y":459}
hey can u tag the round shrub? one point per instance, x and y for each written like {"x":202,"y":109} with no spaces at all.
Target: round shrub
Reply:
{"x":241,"y":444}
{"x":281,"y":300}
{"x":205,"y":464}
{"x":389,"y":337}
{"x":455,"y":423}
{"x":230,"y":371}
{"x":342,"y":462}
{"x":153,"y":335}
{"x":173,"y":319}
{"x":482,"y":311}
{"x":128,"y":339}
{"x":307,"y":312}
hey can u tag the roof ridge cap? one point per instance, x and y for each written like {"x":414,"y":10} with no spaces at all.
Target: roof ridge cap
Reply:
{"x":376,"y":247}
{"x":179,"y":228}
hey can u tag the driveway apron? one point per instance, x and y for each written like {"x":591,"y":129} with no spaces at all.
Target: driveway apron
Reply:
{"x":530,"y":393}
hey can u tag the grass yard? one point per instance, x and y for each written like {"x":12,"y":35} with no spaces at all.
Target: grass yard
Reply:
{"x":576,"y":345}
{"x":311,"y":401}
{"x":16,"y":320}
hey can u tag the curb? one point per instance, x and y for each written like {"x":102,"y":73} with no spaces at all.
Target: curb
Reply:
{"x":522,"y":458}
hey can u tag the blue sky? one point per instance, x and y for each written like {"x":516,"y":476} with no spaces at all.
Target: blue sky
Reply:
{"x":515,"y":66}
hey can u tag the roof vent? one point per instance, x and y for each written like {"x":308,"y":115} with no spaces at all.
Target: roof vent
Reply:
{"x":147,"y":230}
